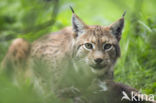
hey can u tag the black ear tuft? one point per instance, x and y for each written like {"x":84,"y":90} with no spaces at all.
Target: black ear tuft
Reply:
{"x":72,"y":9}
{"x":123,"y":15}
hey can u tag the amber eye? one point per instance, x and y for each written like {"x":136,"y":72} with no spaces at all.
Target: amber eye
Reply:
{"x":89,"y":46}
{"x":107,"y":46}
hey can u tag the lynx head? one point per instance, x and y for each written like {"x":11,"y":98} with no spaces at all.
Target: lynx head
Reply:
{"x":98,"y":46}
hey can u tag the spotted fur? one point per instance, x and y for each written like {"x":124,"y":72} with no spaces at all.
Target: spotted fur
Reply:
{"x":69,"y":45}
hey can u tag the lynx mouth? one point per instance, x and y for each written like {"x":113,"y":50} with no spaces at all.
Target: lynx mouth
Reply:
{"x":97,"y":67}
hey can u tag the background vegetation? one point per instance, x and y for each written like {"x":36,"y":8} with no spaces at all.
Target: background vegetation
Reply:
{"x":30,"y":19}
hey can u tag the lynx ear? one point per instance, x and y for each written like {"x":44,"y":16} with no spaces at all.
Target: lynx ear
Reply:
{"x":117,"y":27}
{"x":79,"y":27}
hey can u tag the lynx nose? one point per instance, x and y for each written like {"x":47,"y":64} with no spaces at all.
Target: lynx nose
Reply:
{"x":98,"y":60}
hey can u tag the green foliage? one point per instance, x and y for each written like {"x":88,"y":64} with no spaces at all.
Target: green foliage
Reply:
{"x":31,"y":19}
{"x":22,"y":93}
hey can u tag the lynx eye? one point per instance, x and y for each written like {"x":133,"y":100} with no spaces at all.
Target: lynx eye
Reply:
{"x":107,"y":46}
{"x":89,"y":46}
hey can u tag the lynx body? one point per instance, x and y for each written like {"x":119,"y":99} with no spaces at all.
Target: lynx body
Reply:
{"x":96,"y":46}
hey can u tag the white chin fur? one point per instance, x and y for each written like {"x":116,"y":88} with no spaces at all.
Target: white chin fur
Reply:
{"x":98,"y":72}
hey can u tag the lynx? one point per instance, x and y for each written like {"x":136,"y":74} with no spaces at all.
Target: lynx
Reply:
{"x":96,"y":46}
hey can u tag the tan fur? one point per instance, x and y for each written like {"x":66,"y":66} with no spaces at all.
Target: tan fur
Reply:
{"x":66,"y":47}
{"x":57,"y":50}
{"x":15,"y":62}
{"x":54,"y":47}
{"x":18,"y":52}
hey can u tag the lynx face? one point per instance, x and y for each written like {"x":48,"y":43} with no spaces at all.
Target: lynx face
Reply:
{"x":97,"y":46}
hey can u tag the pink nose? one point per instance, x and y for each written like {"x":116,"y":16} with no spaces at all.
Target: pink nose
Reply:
{"x":98,"y":60}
